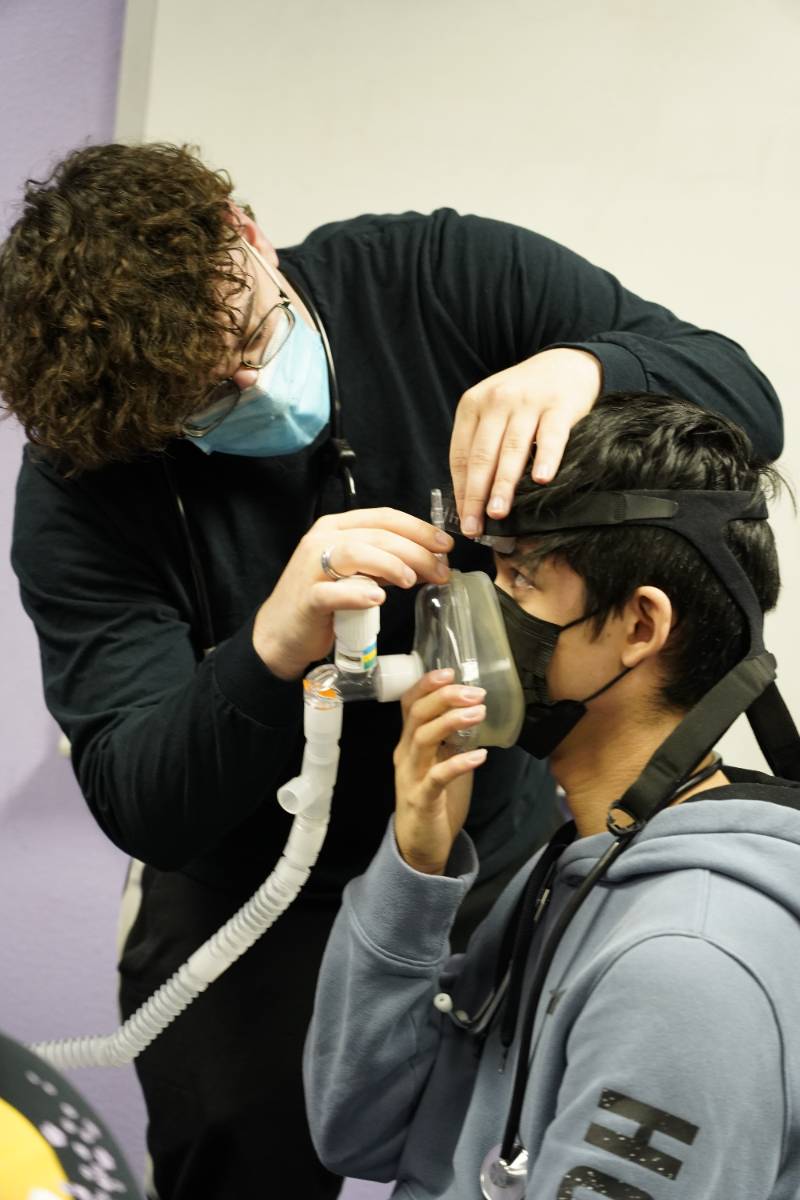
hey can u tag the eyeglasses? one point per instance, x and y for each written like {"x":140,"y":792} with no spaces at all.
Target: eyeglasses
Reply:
{"x":264,"y":343}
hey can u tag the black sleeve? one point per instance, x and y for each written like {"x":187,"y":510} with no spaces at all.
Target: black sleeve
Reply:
{"x":171,"y":754}
{"x":515,"y":293}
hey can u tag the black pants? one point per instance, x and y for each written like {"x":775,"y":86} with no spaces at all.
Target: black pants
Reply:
{"x":223,"y":1084}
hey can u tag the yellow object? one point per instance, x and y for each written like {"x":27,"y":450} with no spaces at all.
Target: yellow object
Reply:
{"x":29,"y":1166}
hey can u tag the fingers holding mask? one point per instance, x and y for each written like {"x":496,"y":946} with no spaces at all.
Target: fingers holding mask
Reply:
{"x":432,"y":781}
{"x":336,"y":566}
{"x":415,"y":541}
{"x":438,"y":711}
{"x":383,"y":555}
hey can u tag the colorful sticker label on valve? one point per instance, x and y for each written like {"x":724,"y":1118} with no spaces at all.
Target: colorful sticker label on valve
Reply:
{"x":328,"y":693}
{"x":368,"y":656}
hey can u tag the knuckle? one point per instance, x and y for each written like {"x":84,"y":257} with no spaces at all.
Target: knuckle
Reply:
{"x":549,"y":442}
{"x":318,"y":600}
{"x":503,"y":394}
{"x":505,"y":485}
{"x":482,"y":457}
{"x":554,"y":422}
{"x":516,"y":442}
{"x":418,"y":739}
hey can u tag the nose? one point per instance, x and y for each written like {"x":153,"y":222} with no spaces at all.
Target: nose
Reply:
{"x":244,"y":377}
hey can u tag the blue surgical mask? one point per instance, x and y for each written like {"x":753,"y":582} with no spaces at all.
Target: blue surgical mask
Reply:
{"x":286,"y":407}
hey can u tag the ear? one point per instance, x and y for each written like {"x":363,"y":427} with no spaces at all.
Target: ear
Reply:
{"x":252,"y":232}
{"x":647,"y":621}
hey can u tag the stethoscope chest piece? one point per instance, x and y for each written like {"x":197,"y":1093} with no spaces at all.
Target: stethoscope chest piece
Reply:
{"x":501,"y":1180}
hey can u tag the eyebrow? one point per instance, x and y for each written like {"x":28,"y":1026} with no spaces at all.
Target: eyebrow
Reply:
{"x":516,"y":561}
{"x":510,"y":557}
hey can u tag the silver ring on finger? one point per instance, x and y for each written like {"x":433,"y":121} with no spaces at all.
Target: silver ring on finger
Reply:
{"x":327,"y":567}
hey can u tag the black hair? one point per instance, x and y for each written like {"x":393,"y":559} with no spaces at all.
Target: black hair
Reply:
{"x":662,"y":442}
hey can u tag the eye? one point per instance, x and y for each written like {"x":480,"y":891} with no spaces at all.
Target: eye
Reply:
{"x":514,"y":580}
{"x":520,"y":582}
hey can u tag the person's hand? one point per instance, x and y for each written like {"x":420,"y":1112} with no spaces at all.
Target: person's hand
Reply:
{"x":499,"y":419}
{"x":433,"y":783}
{"x":294,"y":625}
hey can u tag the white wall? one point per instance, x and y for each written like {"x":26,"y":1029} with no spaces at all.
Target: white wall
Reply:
{"x":658,"y":139}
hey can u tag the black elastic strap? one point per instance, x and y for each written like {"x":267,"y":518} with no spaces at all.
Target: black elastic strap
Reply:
{"x":775,"y":732}
{"x":519,"y":932}
{"x":510,"y":1144}
{"x":342,"y":454}
{"x":343,"y":459}
{"x":693,"y":738}
{"x":208,"y":641}
{"x":687,"y":510}
{"x":537,"y":987}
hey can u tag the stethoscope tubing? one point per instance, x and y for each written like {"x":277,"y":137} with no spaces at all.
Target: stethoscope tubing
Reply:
{"x":510,"y":1145}
{"x":345,"y":459}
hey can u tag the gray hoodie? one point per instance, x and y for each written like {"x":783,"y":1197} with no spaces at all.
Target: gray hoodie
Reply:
{"x":666,"y":1052}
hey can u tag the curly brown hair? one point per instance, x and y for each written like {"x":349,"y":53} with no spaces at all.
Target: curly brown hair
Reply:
{"x":116,"y":286}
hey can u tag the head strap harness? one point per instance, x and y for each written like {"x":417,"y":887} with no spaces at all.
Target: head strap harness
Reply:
{"x":701,"y":518}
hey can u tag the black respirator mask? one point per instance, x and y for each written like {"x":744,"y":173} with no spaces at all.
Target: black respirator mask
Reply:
{"x":533,"y":642}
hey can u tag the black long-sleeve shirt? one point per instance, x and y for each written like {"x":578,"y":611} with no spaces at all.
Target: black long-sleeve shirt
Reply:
{"x":179,"y":756}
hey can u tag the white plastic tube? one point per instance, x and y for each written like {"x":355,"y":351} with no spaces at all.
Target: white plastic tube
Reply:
{"x":322,"y":725}
{"x":311,"y":797}
{"x":357,"y":675}
{"x":395,"y":674}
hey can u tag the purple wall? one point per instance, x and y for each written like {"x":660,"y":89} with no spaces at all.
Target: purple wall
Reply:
{"x":59,"y":878}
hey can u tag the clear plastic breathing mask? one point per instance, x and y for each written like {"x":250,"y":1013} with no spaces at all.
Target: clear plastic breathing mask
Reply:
{"x":459,"y":624}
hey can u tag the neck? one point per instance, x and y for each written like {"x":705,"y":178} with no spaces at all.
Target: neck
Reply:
{"x":601,"y":769}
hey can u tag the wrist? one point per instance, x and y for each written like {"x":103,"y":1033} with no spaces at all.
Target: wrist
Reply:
{"x":579,"y":370}
{"x":428,"y":855}
{"x":273,"y":655}
{"x":422,"y":865}
{"x":586,"y":370}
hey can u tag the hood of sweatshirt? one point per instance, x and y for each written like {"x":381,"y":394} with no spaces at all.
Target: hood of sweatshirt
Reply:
{"x":729,"y":830}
